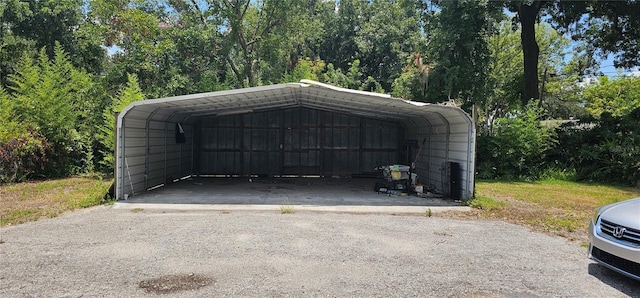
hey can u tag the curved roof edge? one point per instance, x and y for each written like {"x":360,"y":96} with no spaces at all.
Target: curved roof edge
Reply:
{"x":330,"y":95}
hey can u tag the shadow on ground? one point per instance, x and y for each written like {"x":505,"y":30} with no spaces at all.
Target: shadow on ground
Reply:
{"x":617,"y":281}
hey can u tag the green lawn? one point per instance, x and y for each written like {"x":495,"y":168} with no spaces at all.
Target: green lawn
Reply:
{"x":29,"y":201}
{"x":557,"y":207}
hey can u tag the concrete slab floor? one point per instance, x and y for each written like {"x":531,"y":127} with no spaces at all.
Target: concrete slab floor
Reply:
{"x":312,"y":194}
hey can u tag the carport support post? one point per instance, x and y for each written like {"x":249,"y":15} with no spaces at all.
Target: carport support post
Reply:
{"x":115,"y":154}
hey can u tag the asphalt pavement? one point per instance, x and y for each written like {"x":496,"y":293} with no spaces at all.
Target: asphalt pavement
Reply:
{"x":110,"y":251}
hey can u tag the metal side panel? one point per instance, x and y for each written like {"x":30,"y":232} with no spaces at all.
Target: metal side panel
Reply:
{"x":133,"y":174}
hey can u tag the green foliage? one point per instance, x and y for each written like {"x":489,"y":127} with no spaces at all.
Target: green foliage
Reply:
{"x":337,"y":77}
{"x":559,"y":174}
{"x":617,"y":97}
{"x":129,"y":94}
{"x":560,"y":93}
{"x":607,"y":149}
{"x":380,"y":34}
{"x":517,"y":149}
{"x":351,"y":79}
{"x":606,"y":27}
{"x":486,"y":203}
{"x":413,"y":83}
{"x":460,"y":51}
{"x":49,"y":96}
{"x":27,"y":26}
{"x":504,"y":88}
{"x":552,"y":47}
{"x":390,"y":32}
{"x":286,"y":207}
{"x":22,"y":154}
{"x":305,"y":69}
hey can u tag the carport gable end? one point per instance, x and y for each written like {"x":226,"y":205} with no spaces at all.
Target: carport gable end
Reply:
{"x":314,"y":127}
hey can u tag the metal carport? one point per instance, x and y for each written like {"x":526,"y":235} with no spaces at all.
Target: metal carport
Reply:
{"x":295,"y":129}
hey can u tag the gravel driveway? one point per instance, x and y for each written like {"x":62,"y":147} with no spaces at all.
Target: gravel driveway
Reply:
{"x":107,"y":251}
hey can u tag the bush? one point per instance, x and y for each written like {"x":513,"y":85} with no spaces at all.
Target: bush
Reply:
{"x":605,"y":149}
{"x":517,"y":149}
{"x":51,"y":96}
{"x":22,"y":156}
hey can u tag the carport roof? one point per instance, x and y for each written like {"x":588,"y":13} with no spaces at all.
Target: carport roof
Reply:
{"x":307,"y":93}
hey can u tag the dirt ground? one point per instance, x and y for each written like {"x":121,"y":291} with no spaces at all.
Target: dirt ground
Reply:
{"x":115,"y":252}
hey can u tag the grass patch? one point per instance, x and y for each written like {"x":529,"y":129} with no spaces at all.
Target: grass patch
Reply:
{"x":30,"y":201}
{"x":486,"y":203}
{"x":286,"y":207}
{"x":554,"y":206}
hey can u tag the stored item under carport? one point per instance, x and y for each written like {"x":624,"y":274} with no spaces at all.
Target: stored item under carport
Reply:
{"x":397,"y":179}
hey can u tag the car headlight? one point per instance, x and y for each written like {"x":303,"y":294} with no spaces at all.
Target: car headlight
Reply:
{"x":596,"y":215}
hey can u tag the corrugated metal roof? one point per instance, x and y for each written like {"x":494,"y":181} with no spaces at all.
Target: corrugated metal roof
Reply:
{"x":307,"y":94}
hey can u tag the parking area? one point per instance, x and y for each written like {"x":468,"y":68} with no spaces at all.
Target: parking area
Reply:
{"x":328,"y":194}
{"x":109,"y":251}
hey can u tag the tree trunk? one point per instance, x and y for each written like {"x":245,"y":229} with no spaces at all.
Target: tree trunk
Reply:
{"x":528,"y":15}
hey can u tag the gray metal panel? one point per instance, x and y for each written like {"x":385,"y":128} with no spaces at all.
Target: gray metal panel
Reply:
{"x":297,"y":141}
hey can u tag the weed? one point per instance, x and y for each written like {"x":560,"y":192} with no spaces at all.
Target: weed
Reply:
{"x":559,"y":174}
{"x":136,"y":210}
{"x":486,"y":203}
{"x":559,"y":224}
{"x":428,"y":213}
{"x":20,"y":216}
{"x":225,"y":212}
{"x":286,"y":206}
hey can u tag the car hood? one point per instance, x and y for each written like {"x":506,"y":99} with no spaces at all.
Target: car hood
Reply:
{"x":625,"y":213}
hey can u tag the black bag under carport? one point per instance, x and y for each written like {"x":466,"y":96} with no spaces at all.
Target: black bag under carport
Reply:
{"x":180,"y":137}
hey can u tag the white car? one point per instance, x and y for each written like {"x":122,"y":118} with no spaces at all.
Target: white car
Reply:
{"x":614,"y":237}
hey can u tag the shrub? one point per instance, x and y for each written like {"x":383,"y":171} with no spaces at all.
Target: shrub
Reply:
{"x":22,"y":156}
{"x":49,"y":95}
{"x":517,"y":149}
{"x":607,"y":149}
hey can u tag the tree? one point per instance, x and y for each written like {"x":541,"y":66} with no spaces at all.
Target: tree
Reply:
{"x":413,"y":83}
{"x":381,"y":34}
{"x":605,"y":27}
{"x":249,"y":24}
{"x":12,"y":46}
{"x":50,"y":97}
{"x":460,"y":51}
{"x":505,"y":76}
{"x":528,"y":15}
{"x":130,"y":93}
{"x":616,"y":97}
{"x":36,"y":24}
{"x":305,"y":69}
{"x":343,"y":21}
{"x":389,"y":34}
